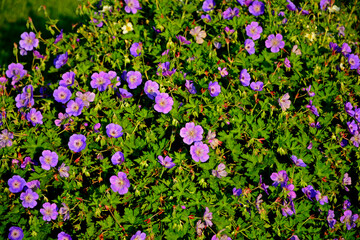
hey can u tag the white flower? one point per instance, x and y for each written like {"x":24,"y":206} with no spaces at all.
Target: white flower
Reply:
{"x":334,"y":8}
{"x":106,"y":8}
{"x":127,"y":27}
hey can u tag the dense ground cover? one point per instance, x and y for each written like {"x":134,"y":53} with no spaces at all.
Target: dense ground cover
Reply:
{"x":202,"y":119}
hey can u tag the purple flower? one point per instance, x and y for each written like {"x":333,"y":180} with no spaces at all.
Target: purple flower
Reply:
{"x":96,"y":127}
{"x":167,"y":162}
{"x":257,"y":86}
{"x":263,"y":186}
{"x":341,"y":31}
{"x":64,"y":236}
{"x":15,"y":233}
{"x":23,"y":52}
{"x":151,"y":89}
{"x":354,"y":61}
{"x":34,"y":184}
{"x":320,"y":198}
{"x":120,"y":183}
{"x":245,"y":78}
{"x":298,"y":162}
{"x":345,"y":49}
{"x":68,"y":79}
{"x":284,"y":102}
{"x":182,"y":40}
{"x":311,"y":94}
{"x":164,"y":69}
{"x":346,"y":204}
{"x":199,"y":227}
{"x":59,"y":37}
{"x":48,"y":159}
{"x":237,"y":192}
{"x":190,"y":86}
{"x":114,"y":130}
{"x":100,"y":81}
{"x":87,"y":97}
{"x":214,"y":89}
{"x":217,"y":45}
{"x":245,"y":2}
{"x":62,"y":94}
{"x":253,"y":30}
{"x":163,"y":102}
{"x":279,"y":178}
{"x":133,"y":79}
{"x":124,"y":93}
{"x":312,"y":108}
{"x":16,"y":72}
{"x":357,"y":114}
{"x":208,"y":217}
{"x":220,"y":172}
{"x":132,"y":6}
{"x":323,"y":4}
{"x":353,"y":127}
{"x":77,"y":142}
{"x":344,"y":143}
{"x":61,"y":60}
{"x":29,"y":198}
{"x":230,"y":13}
{"x":275,"y":42}
{"x":74,"y":108}
{"x":349,"y":219}
{"x":191,"y":133}
{"x":34,"y":117}
{"x":287,"y":63}
{"x":65,"y":211}
{"x":118,"y":158}
{"x":330,"y":218}
{"x":29,"y":41}
{"x":228,"y":30}
{"x":257,"y":8}
{"x":64,"y":170}
{"x":199,"y":152}
{"x":138,"y":236}
{"x":249,"y":46}
{"x":16,"y":184}
{"x":38,"y":55}
{"x":49,"y":211}
{"x":346,"y":181}
{"x":61,"y":117}
{"x":206,"y":18}
{"x":208,"y":5}
{"x":136,"y":49}
{"x":286,"y":210}
{"x":223,"y":72}
{"x":289,"y":188}
{"x":310,"y":146}
{"x":291,"y":6}
{"x":5,"y":138}
{"x":348,"y":109}
{"x":309,"y":192}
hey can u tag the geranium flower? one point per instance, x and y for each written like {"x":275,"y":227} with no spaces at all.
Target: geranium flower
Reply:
{"x":64,"y":170}
{"x":77,"y":142}
{"x":284,"y":102}
{"x":253,"y":30}
{"x":198,"y":34}
{"x":220,"y":171}
{"x":29,"y":198}
{"x":331,"y":219}
{"x":49,"y":211}
{"x":16,"y":72}
{"x":166,"y":162}
{"x":249,"y":46}
{"x":275,"y":42}
{"x":74,"y":108}
{"x":257,"y":8}
{"x":257,"y":86}
{"x":230,"y":13}
{"x":100,"y":81}
{"x":120,"y":183}
{"x":16,"y":184}
{"x":68,"y":79}
{"x":34,"y":117}
{"x":136,"y":49}
{"x":134,"y":79}
{"x":214,"y":89}
{"x":62,"y":94}
{"x":128,"y":27}
{"x":208,"y":5}
{"x":191,"y":133}
{"x":297,"y":161}
{"x":48,"y":159}
{"x":279,"y":178}
{"x":245,"y":78}
{"x":61,"y":60}
{"x":349,"y":219}
{"x":199,"y":152}
{"x":164,"y":103}
{"x":64,"y":236}
{"x":15,"y":233}
{"x":208,"y":217}
{"x":29,"y":41}
{"x":132,"y":6}
{"x":5,"y":138}
{"x":114,"y":130}
{"x":151,"y":89}
{"x":118,"y":158}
